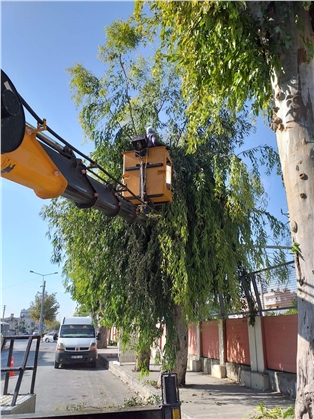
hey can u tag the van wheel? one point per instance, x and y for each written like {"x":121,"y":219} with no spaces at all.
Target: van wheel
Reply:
{"x":56,"y":365}
{"x":93,"y":364}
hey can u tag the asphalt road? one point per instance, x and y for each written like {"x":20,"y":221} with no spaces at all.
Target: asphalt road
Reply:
{"x":73,"y":388}
{"x":18,"y":353}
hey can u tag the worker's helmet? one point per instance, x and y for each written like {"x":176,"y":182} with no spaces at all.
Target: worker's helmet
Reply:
{"x":149,"y":130}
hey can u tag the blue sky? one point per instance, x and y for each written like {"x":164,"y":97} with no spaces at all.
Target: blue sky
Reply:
{"x":39,"y":41}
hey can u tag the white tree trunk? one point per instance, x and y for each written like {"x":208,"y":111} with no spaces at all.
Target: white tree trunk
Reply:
{"x":294,"y":125}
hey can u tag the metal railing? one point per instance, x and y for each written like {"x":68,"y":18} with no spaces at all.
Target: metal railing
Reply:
{"x":10,"y":369}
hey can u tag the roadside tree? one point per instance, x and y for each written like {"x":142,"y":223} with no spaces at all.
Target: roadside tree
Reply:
{"x":50,"y":309}
{"x":141,"y":279}
{"x":261,"y":52}
{"x":81,"y":311}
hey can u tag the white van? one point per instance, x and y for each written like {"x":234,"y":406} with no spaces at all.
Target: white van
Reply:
{"x":77,"y":342}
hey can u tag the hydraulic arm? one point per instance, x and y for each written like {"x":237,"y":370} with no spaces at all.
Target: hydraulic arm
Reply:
{"x":31,"y":158}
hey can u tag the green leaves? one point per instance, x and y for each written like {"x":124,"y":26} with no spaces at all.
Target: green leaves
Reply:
{"x":296,"y":250}
{"x":50,"y":309}
{"x":225,"y":53}
{"x":134,"y":277}
{"x":121,"y":38}
{"x":274,"y":413}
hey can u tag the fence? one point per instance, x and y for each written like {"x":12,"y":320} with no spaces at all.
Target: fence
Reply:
{"x":266,"y":291}
{"x":235,"y":348}
{"x":279,"y":341}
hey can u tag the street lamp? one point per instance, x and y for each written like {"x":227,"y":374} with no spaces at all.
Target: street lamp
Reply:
{"x":42,"y":297}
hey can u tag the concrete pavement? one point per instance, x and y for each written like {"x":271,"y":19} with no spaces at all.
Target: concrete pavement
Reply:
{"x":203,"y":397}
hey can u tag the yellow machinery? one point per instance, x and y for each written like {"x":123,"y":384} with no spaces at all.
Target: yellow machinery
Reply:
{"x":147,"y":173}
{"x":30,"y":166}
{"x":32,"y":159}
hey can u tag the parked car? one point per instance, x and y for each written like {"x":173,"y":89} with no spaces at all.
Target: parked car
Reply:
{"x":50,"y":337}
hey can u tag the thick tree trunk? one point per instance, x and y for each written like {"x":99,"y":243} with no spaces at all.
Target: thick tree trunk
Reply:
{"x":294,"y":125}
{"x":102,"y":342}
{"x":142,"y":361}
{"x":181,"y":344}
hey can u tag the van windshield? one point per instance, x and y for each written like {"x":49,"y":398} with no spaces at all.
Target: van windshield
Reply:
{"x":77,"y":331}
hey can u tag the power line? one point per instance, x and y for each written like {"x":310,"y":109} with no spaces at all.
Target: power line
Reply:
{"x":20,"y":283}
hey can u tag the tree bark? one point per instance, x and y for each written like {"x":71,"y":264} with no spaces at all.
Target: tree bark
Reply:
{"x":142,"y":361}
{"x":294,"y":124}
{"x":102,"y":342}
{"x":181,"y":328}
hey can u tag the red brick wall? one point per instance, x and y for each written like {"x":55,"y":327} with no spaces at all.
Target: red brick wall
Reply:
{"x":237,"y":337}
{"x":209,"y":339}
{"x":280,"y":337}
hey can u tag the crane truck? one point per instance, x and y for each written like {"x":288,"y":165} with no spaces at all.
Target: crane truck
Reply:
{"x":33,"y":159}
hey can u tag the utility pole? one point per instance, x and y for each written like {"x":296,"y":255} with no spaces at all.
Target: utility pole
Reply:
{"x":42,"y":307}
{"x":42,"y":297}
{"x":3,"y":313}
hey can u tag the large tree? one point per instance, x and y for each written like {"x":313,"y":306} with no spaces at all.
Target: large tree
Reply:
{"x":50,"y":308}
{"x":232,"y":53}
{"x":172,"y":270}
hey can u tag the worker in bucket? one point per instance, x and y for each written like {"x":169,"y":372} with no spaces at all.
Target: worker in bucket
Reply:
{"x":152,"y":138}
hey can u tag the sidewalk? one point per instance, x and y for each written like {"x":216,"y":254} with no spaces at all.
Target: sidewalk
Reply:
{"x":203,"y":397}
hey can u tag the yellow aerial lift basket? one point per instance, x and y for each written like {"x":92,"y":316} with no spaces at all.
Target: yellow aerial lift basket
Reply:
{"x":147,"y":172}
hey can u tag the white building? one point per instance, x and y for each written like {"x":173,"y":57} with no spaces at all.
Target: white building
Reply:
{"x":21,"y":325}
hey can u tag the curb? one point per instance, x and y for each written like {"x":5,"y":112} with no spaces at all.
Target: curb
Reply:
{"x":144,"y":390}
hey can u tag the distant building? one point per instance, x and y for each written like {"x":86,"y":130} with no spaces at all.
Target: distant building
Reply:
{"x":21,"y":325}
{"x":29,"y":324}
{"x":279,"y":298}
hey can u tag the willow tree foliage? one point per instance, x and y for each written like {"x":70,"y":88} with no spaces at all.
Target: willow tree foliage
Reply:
{"x":141,"y":279}
{"x":229,"y":53}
